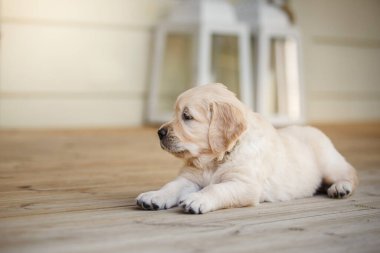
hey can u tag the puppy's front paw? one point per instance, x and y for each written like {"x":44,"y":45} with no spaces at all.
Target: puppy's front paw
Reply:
{"x":340,"y":189}
{"x":155,"y":200}
{"x":196,"y":203}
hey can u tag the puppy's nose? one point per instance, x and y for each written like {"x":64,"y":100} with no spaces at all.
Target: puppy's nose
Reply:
{"x":162,"y":133}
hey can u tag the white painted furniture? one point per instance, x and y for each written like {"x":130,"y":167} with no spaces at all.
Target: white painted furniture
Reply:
{"x":273,"y":33}
{"x":201,"y":19}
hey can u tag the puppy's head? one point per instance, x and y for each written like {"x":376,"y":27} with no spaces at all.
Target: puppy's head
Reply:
{"x":208,"y":121}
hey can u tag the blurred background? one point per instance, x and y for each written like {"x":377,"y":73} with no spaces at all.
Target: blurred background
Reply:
{"x":88,"y":63}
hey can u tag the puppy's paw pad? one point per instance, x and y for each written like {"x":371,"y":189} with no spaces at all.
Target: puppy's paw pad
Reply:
{"x":196,"y":203}
{"x":341,"y":189}
{"x":154,"y":200}
{"x":144,"y":200}
{"x":155,"y":206}
{"x":146,"y":205}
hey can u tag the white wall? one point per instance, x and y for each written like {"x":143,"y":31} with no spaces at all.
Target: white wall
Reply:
{"x":75,"y":63}
{"x":85,"y":63}
{"x":342,"y":58}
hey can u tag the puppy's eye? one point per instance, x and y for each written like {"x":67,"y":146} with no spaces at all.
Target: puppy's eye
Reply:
{"x":186,"y":116}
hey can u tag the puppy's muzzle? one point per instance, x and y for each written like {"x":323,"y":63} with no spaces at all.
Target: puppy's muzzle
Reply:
{"x":162,"y":133}
{"x":168,"y":141}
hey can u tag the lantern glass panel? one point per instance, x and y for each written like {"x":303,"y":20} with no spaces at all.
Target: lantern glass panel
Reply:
{"x":293,"y":79}
{"x":225,"y":61}
{"x":283,"y":81}
{"x":253,"y":48}
{"x":176,"y":73}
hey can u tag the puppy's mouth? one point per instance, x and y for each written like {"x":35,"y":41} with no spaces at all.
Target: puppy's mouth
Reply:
{"x":172,"y":148}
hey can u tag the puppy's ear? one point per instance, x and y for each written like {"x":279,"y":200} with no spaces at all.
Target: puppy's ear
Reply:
{"x":227,"y":124}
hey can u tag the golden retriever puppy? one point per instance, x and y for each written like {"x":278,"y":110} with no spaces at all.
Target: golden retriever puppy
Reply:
{"x":234,"y":157}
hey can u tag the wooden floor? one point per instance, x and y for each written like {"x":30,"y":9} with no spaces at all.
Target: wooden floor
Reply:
{"x":74,"y":191}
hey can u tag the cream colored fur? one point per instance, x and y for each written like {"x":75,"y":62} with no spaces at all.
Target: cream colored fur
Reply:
{"x":234,"y":157}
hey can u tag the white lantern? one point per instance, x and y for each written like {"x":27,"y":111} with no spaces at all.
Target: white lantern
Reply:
{"x":277,"y":62}
{"x":192,"y":25}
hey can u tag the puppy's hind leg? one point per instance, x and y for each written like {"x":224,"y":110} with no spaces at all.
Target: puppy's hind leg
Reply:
{"x":339,"y":176}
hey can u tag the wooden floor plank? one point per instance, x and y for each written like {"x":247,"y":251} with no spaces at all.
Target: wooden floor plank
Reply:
{"x":74,"y":191}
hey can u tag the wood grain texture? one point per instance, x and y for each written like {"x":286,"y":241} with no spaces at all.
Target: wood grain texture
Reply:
{"x":74,"y":191}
